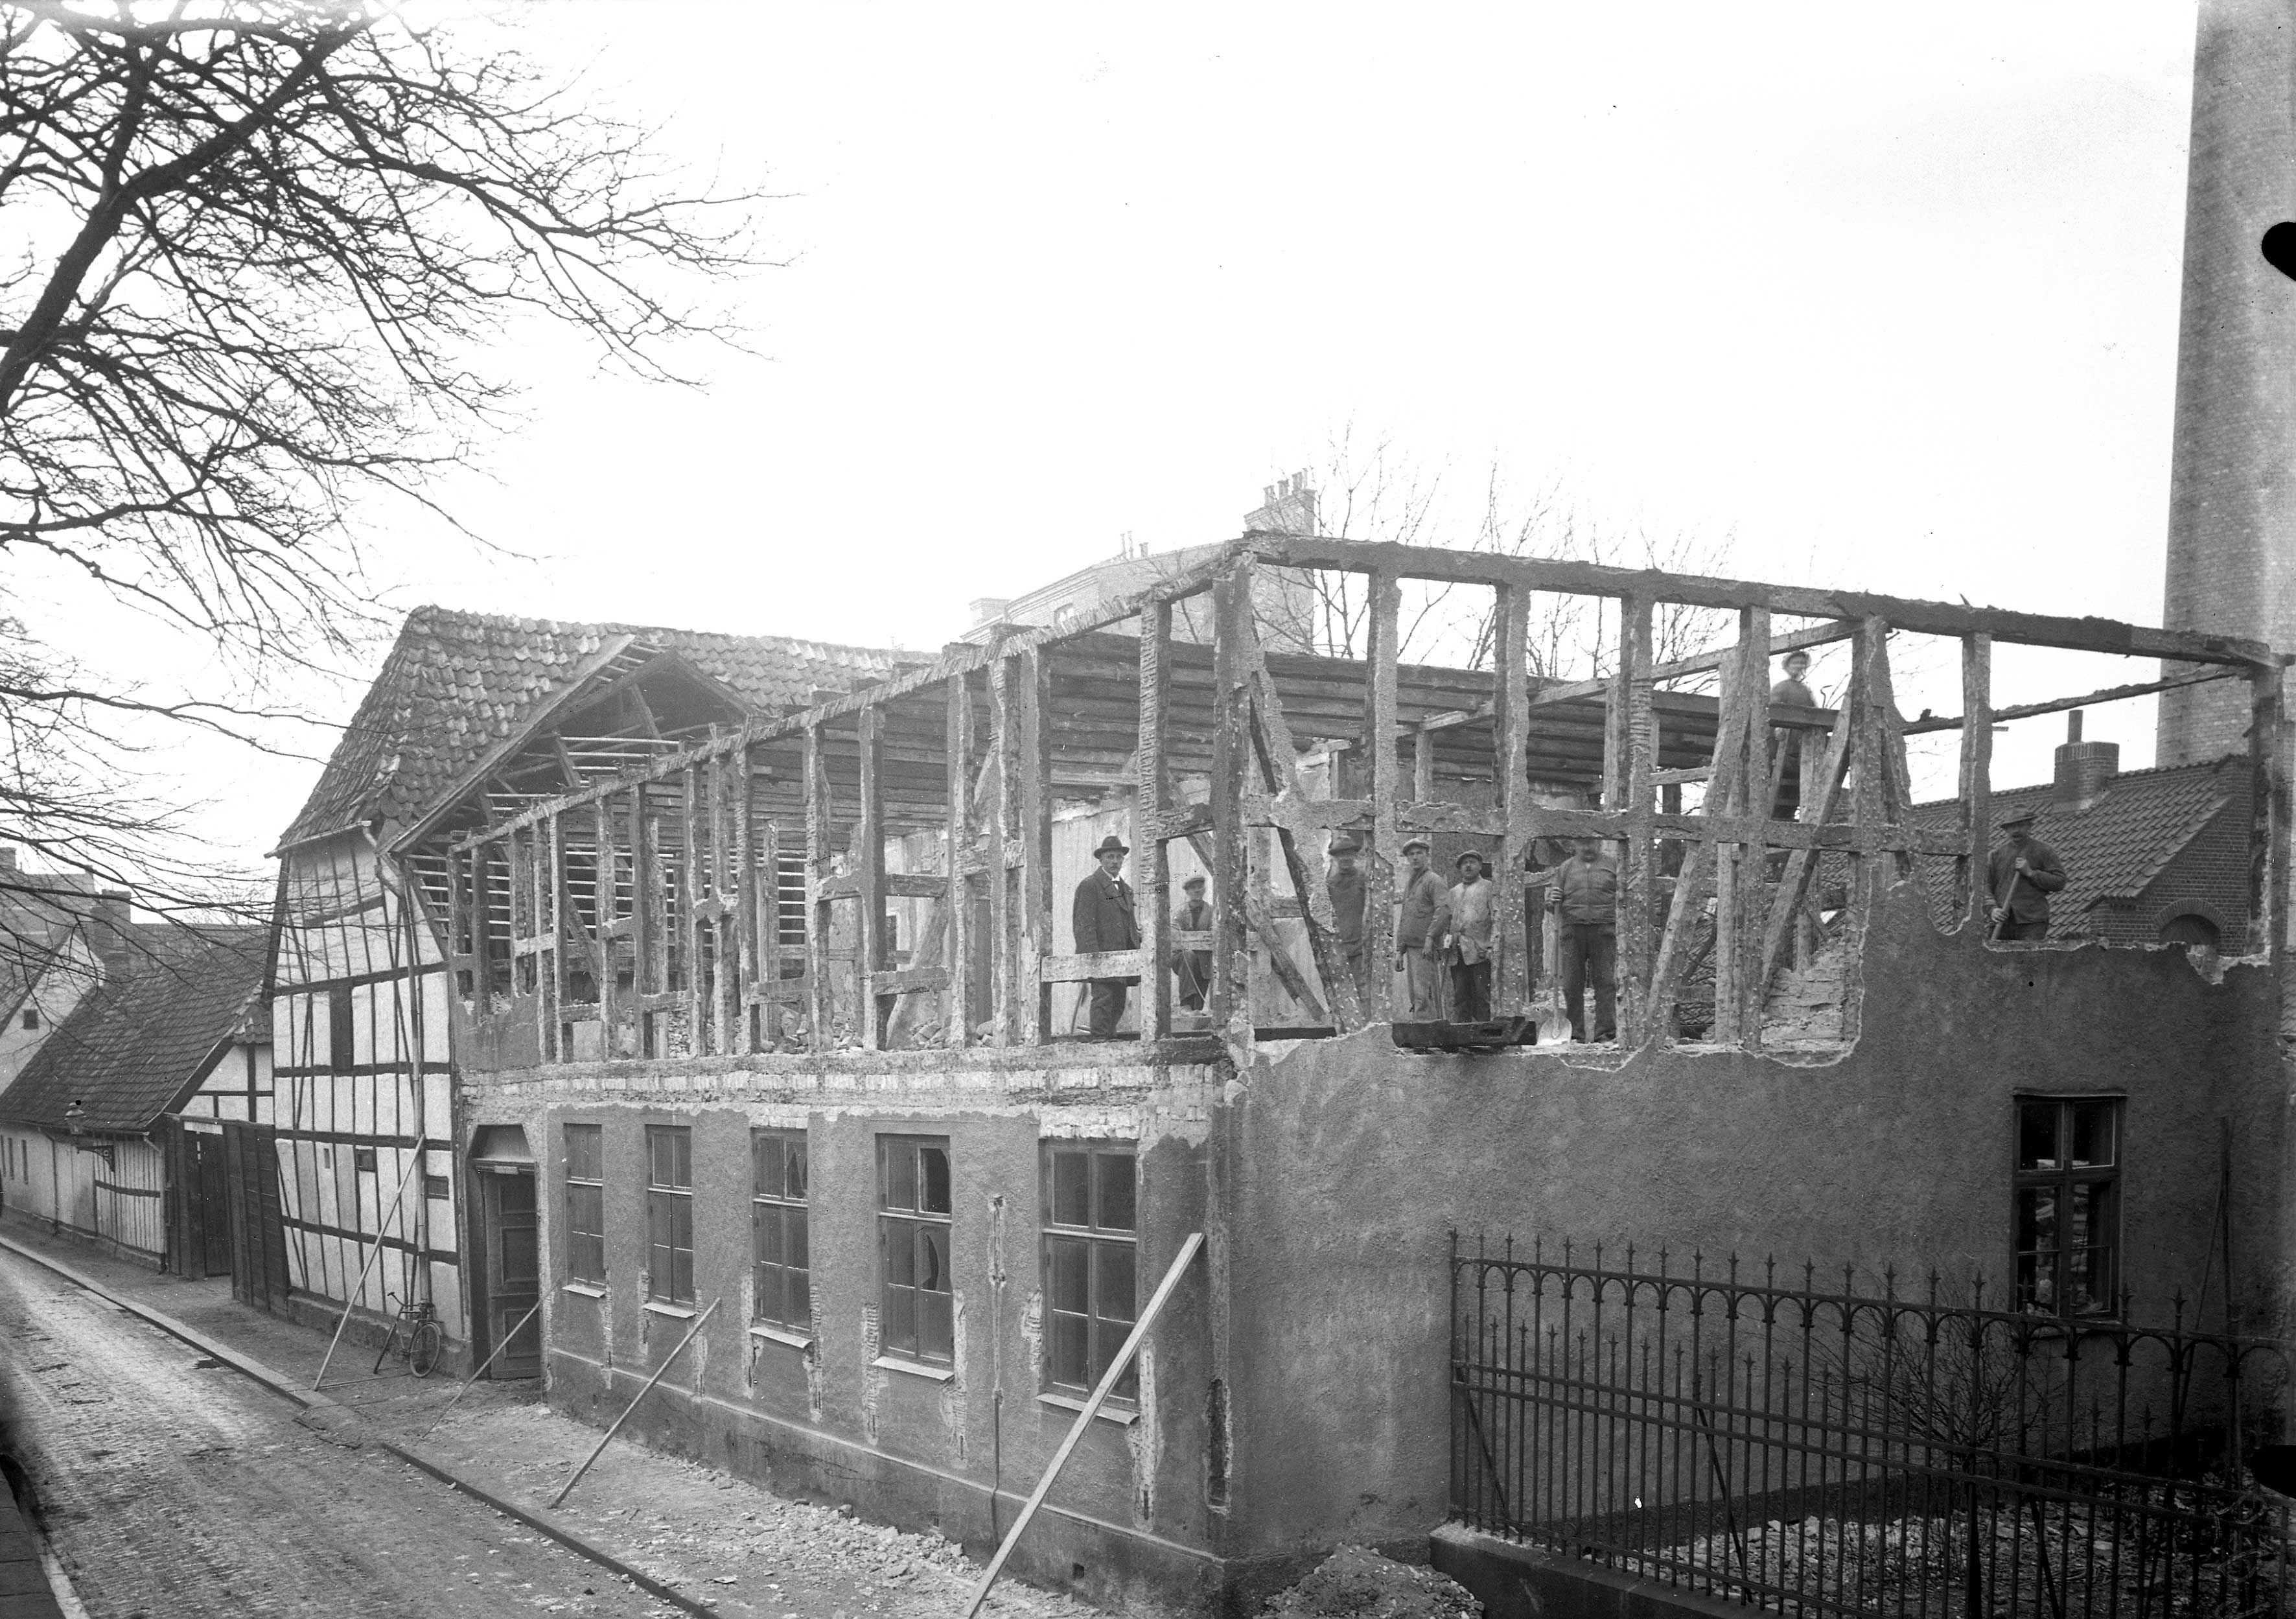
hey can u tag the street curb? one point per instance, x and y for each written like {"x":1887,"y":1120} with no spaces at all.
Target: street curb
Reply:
{"x":278,"y":1384}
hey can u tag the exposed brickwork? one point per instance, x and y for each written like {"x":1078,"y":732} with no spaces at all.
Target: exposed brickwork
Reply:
{"x":2231,"y":500}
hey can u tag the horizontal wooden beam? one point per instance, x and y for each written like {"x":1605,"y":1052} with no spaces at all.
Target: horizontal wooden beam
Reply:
{"x":2058,"y":706}
{"x":1799,"y":640}
{"x":1700,"y":590}
{"x":1103,"y":964}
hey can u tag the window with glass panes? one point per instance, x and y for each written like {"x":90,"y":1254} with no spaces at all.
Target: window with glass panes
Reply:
{"x":585,"y":1205}
{"x":778,"y":1245}
{"x":1089,"y":1263}
{"x":2068,"y":1220}
{"x":913,"y":1239}
{"x":669,"y":1214}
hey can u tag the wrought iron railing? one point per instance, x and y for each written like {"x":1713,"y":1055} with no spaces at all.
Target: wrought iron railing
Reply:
{"x":1813,"y":1453}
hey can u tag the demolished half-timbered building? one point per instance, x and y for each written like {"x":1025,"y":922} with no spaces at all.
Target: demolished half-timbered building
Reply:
{"x":780,"y":1023}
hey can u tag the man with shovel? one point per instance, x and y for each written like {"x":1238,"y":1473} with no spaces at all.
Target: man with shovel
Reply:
{"x":2021,"y":875}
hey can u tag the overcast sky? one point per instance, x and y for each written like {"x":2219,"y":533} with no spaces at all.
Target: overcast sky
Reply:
{"x":1886,"y":298}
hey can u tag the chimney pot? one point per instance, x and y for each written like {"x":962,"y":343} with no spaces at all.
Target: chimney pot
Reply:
{"x":2073,"y":725}
{"x":2084,"y":769}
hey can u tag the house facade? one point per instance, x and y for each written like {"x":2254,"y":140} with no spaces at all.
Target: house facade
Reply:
{"x":887,"y":1255}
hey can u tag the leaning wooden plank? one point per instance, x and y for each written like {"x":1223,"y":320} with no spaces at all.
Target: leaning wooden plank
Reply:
{"x":1260,"y":912}
{"x":1702,"y":868}
{"x":1108,"y":1382}
{"x":1786,"y":899}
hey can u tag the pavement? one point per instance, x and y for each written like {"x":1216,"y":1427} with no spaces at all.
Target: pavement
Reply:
{"x":688,"y":1535}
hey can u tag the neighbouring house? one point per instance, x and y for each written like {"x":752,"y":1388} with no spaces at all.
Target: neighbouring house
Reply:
{"x":893,"y":1240}
{"x":108,"y":1129}
{"x":470,"y":717}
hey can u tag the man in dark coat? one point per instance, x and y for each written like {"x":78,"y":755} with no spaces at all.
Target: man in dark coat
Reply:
{"x":1418,"y":942}
{"x":2021,"y":875}
{"x":1104,"y":920}
{"x":1584,"y":890}
{"x":1194,"y":967}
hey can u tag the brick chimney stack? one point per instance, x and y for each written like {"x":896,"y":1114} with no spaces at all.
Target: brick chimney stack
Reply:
{"x":2084,"y":769}
{"x":2232,"y":482}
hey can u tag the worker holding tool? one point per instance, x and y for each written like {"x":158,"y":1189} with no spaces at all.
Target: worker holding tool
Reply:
{"x":1584,"y":889}
{"x":2021,"y":875}
{"x":1417,"y":942}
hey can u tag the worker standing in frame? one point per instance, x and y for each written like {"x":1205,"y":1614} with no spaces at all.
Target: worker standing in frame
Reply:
{"x":1344,"y":886}
{"x":1104,"y":920}
{"x":1417,"y":944}
{"x":1192,"y":968}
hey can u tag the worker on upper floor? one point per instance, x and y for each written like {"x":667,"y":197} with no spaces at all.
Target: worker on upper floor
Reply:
{"x":1192,"y":966}
{"x":1584,"y":889}
{"x":1469,"y":919}
{"x":1418,"y":944}
{"x":2021,"y":876}
{"x":1344,"y":886}
{"x":1104,"y":920}
{"x":1787,"y":741}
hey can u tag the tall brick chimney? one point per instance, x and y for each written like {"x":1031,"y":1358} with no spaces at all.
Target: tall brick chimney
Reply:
{"x":2084,"y":769}
{"x":2232,"y":487}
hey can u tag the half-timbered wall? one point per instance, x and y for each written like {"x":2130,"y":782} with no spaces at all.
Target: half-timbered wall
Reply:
{"x":115,"y":1204}
{"x":630,"y":919}
{"x":360,"y":1082}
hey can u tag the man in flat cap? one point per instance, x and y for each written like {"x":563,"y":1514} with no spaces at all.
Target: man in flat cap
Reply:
{"x":1104,"y":920}
{"x":1585,"y":891}
{"x":1193,"y":967}
{"x":1470,"y":915}
{"x":1345,"y":887}
{"x":2021,"y":875}
{"x":1417,"y":940}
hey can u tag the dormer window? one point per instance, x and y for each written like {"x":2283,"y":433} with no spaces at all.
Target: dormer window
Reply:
{"x":31,"y":1017}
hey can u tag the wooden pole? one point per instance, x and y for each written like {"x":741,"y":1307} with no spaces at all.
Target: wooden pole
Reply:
{"x":667,"y":1361}
{"x":481,"y":1371}
{"x":1156,"y":1303}
{"x":381,"y":1225}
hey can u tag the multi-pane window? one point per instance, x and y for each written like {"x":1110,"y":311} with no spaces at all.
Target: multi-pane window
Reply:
{"x":778,"y":1237}
{"x":1090,"y":1251}
{"x":585,"y":1205}
{"x":669,"y":1214}
{"x":2067,"y":1223}
{"x":912,"y":1236}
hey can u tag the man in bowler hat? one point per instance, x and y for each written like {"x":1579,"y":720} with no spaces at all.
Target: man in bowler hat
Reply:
{"x":1104,"y":920}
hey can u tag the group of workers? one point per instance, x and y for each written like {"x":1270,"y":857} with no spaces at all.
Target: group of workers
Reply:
{"x":1445,"y":934}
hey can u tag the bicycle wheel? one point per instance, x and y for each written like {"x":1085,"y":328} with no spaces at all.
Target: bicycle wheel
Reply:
{"x":422,"y":1350}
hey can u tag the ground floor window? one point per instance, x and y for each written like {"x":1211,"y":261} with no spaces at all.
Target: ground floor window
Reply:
{"x":585,"y":1205}
{"x":1090,"y":1253}
{"x":2068,"y":1205}
{"x":914,"y":1318}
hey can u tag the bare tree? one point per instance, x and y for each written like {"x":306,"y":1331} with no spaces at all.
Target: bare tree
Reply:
{"x":259,"y":250}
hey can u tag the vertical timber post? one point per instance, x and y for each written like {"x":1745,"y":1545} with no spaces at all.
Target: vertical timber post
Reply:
{"x":751,"y":977}
{"x":1757,"y":802}
{"x":689,"y":893}
{"x":820,"y":1001}
{"x":1231,"y":987}
{"x":1631,"y":715}
{"x":1004,"y":915}
{"x":1976,"y":779}
{"x":1512,"y":757}
{"x":1150,"y":802}
{"x":1382,"y":619}
{"x":1036,"y":861}
{"x":958,"y":745}
{"x":868,"y":1013}
{"x":2267,"y":846}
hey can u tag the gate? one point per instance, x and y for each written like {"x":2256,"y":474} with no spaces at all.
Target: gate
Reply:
{"x":1818,"y":1453}
{"x":258,"y":1238}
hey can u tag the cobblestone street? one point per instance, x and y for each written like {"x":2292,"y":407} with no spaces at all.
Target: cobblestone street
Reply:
{"x":175,"y":1485}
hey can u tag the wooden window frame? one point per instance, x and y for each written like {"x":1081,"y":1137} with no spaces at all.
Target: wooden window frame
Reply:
{"x":670,"y":1214}
{"x":2052,"y":1294}
{"x":915,"y":1317}
{"x":781,"y":1221}
{"x":586,"y":1195}
{"x":1108,"y":1252}
{"x":342,"y":1030}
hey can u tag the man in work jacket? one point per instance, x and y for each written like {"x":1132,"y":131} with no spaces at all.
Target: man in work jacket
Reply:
{"x":2021,"y":875}
{"x":1104,"y":920}
{"x":1470,"y":918}
{"x":1585,"y":894}
{"x":1416,"y":940}
{"x":1344,"y":886}
{"x":1194,"y":967}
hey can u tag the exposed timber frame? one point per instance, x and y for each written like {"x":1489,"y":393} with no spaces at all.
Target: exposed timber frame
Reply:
{"x":649,"y":905}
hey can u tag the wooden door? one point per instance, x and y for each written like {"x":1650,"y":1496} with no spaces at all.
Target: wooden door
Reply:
{"x":513,"y":1269}
{"x":257,"y":1235}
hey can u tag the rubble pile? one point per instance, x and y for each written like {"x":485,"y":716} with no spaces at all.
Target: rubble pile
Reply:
{"x":1356,"y":1583}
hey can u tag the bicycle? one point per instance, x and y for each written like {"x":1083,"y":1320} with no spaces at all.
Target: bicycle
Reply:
{"x":425,"y":1339}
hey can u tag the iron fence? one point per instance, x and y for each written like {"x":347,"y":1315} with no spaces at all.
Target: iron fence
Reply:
{"x":1813,"y":1453}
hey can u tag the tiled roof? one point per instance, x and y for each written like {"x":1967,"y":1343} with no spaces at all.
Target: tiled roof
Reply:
{"x":134,"y":1042}
{"x":2115,"y":848}
{"x":459,"y":683}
